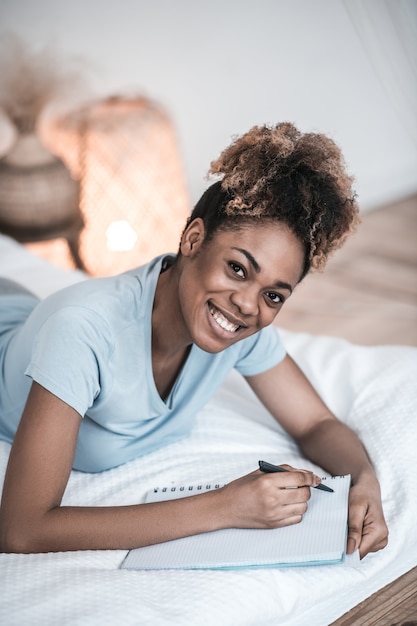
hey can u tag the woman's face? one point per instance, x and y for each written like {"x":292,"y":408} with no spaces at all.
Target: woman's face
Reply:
{"x":236,"y":283}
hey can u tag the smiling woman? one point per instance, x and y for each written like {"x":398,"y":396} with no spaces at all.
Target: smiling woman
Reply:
{"x":110,"y":369}
{"x":232,"y":285}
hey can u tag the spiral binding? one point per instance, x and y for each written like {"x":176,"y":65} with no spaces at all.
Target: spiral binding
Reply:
{"x":188,"y":488}
{"x":334,"y":477}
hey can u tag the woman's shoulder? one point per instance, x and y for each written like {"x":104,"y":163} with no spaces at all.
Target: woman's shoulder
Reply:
{"x":111,"y":302}
{"x":260,"y":351}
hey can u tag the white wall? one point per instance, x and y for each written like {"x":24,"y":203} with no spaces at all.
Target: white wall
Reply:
{"x":221,"y":66}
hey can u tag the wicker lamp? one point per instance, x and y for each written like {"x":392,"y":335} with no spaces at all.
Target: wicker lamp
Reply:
{"x":133,"y":197}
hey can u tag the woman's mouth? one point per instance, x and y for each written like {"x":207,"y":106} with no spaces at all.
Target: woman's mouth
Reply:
{"x":222,"y":321}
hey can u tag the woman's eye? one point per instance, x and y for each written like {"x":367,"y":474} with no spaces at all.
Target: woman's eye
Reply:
{"x":238,"y":269}
{"x":275,"y":297}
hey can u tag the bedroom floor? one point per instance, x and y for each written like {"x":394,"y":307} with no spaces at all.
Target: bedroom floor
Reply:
{"x":368,"y":292}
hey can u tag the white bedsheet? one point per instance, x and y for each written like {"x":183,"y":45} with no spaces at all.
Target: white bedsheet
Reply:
{"x":373,"y":389}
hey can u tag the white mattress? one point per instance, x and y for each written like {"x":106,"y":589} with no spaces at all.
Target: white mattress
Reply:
{"x":373,"y":389}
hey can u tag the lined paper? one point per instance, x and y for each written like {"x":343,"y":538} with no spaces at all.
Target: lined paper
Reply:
{"x":320,"y":537}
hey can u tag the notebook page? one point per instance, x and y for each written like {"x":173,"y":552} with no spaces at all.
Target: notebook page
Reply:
{"x":319,"y":538}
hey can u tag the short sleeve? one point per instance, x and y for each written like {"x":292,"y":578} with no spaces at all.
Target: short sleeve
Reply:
{"x":68,"y":351}
{"x":265,"y":350}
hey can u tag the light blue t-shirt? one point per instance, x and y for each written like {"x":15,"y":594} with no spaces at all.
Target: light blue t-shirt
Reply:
{"x":90,"y":345}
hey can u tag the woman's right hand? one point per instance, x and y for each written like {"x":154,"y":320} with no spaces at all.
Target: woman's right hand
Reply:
{"x":262,"y":500}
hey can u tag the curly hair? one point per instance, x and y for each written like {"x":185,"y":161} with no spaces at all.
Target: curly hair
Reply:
{"x":280,"y":174}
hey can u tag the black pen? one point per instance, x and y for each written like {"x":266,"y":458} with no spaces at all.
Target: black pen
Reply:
{"x":268,"y":468}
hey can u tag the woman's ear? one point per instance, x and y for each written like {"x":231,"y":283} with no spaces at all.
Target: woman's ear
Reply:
{"x":192,"y":237}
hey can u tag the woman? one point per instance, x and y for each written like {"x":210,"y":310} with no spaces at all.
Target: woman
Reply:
{"x":117,"y":367}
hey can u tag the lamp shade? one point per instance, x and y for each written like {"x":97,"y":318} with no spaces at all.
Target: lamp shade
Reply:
{"x":133,"y":197}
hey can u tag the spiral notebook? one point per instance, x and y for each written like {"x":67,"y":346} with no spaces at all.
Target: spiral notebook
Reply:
{"x":319,"y":539}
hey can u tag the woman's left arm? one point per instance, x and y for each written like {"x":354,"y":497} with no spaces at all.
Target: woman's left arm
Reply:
{"x":291,"y":399}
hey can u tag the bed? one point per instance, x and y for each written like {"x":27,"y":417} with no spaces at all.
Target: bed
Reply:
{"x":373,"y":389}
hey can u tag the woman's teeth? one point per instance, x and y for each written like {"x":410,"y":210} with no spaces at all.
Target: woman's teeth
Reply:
{"x":223,"y":322}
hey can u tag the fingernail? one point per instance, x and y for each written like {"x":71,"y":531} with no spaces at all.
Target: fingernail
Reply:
{"x":351,"y":545}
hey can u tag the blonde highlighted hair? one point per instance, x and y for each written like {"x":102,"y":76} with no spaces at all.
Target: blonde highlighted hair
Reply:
{"x":279,"y":174}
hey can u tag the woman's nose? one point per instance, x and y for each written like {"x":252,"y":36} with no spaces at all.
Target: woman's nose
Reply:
{"x":246,"y":300}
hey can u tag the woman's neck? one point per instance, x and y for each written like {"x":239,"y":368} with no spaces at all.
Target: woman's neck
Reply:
{"x":169,"y":333}
{"x":170,"y":341}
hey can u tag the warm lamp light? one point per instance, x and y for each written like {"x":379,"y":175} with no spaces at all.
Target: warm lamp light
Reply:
{"x":120,"y":236}
{"x":133,"y":197}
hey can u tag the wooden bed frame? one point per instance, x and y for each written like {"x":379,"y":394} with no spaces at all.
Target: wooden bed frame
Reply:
{"x":393,"y":605}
